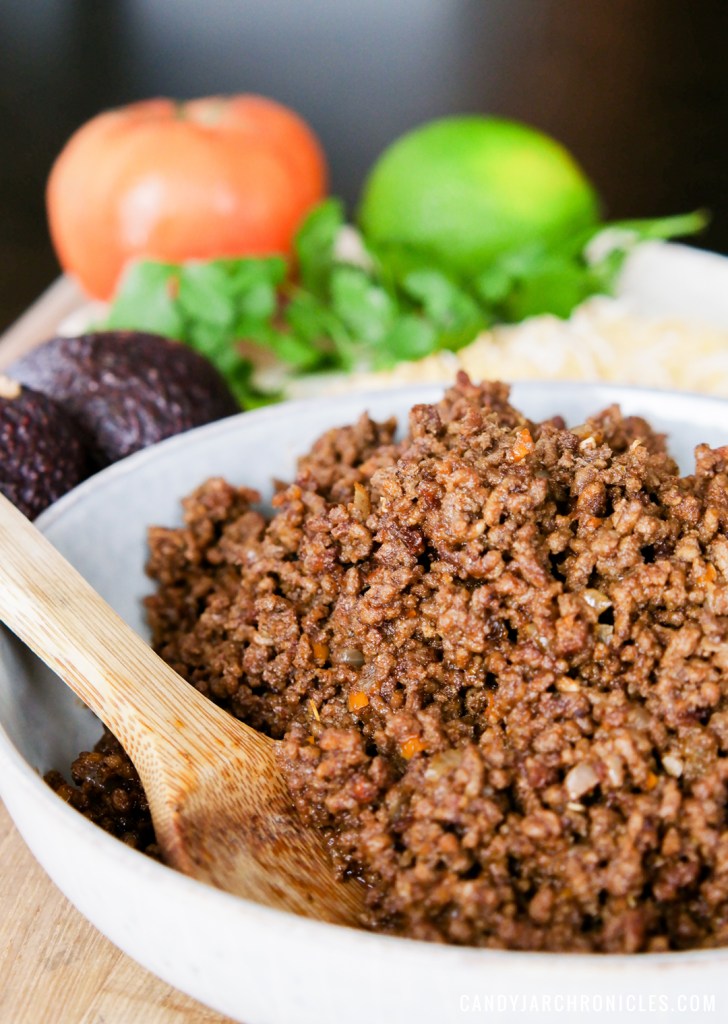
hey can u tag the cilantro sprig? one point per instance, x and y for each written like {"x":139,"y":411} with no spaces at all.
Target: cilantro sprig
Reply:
{"x":367,"y":309}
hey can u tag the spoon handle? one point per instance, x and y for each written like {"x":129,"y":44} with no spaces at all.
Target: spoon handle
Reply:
{"x":220,"y":806}
{"x":53,"y":610}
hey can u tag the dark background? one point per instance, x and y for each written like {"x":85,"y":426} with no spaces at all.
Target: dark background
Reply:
{"x":637,"y":89}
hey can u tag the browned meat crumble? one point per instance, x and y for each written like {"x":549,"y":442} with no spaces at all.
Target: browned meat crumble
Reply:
{"x":106,"y":789}
{"x":496,"y":655}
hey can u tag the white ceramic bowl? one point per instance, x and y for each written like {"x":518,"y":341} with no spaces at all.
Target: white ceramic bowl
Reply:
{"x":255,"y":964}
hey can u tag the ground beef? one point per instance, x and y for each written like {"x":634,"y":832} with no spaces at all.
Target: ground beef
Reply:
{"x":496,"y":655}
{"x":107,"y":790}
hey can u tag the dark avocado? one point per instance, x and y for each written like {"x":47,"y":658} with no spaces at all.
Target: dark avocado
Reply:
{"x":42,"y":450}
{"x":126,"y":389}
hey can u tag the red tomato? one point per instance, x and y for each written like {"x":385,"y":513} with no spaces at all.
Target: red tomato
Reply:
{"x":174,"y":181}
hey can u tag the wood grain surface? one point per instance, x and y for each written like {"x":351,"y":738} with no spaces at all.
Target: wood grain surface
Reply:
{"x":54,"y":965}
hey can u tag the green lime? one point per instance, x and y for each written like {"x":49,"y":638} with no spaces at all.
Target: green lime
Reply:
{"x":468,"y":188}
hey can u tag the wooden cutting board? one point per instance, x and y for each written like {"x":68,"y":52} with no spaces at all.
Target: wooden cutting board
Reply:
{"x":55,"y":968}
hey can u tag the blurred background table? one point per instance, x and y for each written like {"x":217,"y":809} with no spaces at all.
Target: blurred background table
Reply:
{"x":637,"y":89}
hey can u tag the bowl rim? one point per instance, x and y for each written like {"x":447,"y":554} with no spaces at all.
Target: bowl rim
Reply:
{"x":14,"y":767}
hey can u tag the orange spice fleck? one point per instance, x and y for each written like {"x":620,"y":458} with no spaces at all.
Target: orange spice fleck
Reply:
{"x":357,"y":700}
{"x":709,"y":576}
{"x":523,"y":445}
{"x":593,"y":522}
{"x":651,"y":781}
{"x":412,"y":746}
{"x":320,"y":651}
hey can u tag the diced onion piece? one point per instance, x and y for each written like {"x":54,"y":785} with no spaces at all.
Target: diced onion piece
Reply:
{"x":597,"y":600}
{"x":351,"y":656}
{"x":615,"y":769}
{"x":673,"y":765}
{"x":581,"y":779}
{"x":361,"y":500}
{"x":443,"y":763}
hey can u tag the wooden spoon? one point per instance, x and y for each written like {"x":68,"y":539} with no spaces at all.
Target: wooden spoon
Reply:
{"x":219,"y":804}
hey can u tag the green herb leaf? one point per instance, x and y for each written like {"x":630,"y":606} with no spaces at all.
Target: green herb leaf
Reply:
{"x":677,"y":226}
{"x":255,"y":284}
{"x":493,"y":284}
{"x":240,"y":379}
{"x":400,"y":304}
{"x":147,"y":300}
{"x":455,"y":312}
{"x":410,"y":337}
{"x":364,"y":307}
{"x":314,"y":245}
{"x":557,"y":287}
{"x":205,"y":294}
{"x":315,"y":323}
